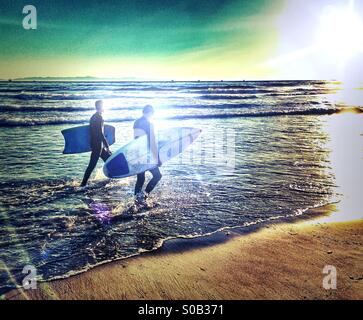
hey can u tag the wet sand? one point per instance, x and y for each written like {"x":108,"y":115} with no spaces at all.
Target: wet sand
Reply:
{"x":279,"y":261}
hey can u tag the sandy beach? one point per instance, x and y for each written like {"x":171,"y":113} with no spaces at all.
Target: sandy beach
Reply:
{"x":279,"y":261}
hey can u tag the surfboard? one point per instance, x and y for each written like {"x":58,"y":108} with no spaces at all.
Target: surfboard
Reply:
{"x":78,"y":139}
{"x":134,"y":158}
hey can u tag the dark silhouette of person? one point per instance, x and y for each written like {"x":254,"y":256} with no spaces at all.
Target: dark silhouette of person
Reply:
{"x":143,"y":126}
{"x":99,"y":144}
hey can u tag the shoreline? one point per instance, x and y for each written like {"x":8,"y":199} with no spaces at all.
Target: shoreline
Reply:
{"x":232,"y":264}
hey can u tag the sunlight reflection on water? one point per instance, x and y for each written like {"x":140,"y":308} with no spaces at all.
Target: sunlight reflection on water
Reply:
{"x":346,"y":159}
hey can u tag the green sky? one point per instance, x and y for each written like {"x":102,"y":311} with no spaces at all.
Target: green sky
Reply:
{"x":156,"y":39}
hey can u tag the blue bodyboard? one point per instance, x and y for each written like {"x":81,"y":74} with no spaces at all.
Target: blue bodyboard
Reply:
{"x":78,"y":139}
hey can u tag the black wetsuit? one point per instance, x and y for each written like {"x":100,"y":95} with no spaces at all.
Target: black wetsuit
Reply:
{"x":144,"y":124}
{"x":99,"y":145}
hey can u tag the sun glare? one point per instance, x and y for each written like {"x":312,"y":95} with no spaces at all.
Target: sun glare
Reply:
{"x":319,"y":41}
{"x":340,"y":32}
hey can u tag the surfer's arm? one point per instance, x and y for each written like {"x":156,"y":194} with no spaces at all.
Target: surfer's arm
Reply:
{"x":153,"y":145}
{"x":105,"y":142}
{"x":100,"y":134}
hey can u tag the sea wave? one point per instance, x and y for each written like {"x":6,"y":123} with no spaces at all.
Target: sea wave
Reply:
{"x":57,"y":89}
{"x":22,"y":108}
{"x":37,"y":191}
{"x":43,"y":109}
{"x":226,"y":97}
{"x":24,"y":122}
{"x":29,"y":97}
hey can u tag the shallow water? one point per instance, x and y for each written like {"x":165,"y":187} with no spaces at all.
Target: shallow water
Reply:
{"x":264,"y":153}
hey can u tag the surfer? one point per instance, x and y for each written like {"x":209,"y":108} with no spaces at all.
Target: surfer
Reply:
{"x":143,"y":126}
{"x":99,"y":144}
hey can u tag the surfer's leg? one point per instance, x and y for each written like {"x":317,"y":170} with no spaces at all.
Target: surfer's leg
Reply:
{"x":139,"y":182}
{"x":154,"y":181}
{"x":92,"y":164}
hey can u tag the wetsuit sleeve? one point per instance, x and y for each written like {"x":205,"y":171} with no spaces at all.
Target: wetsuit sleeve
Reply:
{"x":153,"y":146}
{"x":105,"y":142}
{"x":137,"y":125}
{"x":99,"y":132}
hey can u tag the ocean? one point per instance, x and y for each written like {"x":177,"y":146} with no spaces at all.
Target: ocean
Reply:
{"x":264,"y":154}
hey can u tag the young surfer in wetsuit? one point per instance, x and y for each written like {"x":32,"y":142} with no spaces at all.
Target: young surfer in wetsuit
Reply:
{"x":143,"y":126}
{"x":99,"y":144}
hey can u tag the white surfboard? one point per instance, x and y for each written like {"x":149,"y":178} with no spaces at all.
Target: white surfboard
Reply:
{"x":134,"y":158}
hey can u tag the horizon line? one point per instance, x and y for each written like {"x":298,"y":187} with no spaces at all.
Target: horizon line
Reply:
{"x":130,"y":79}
